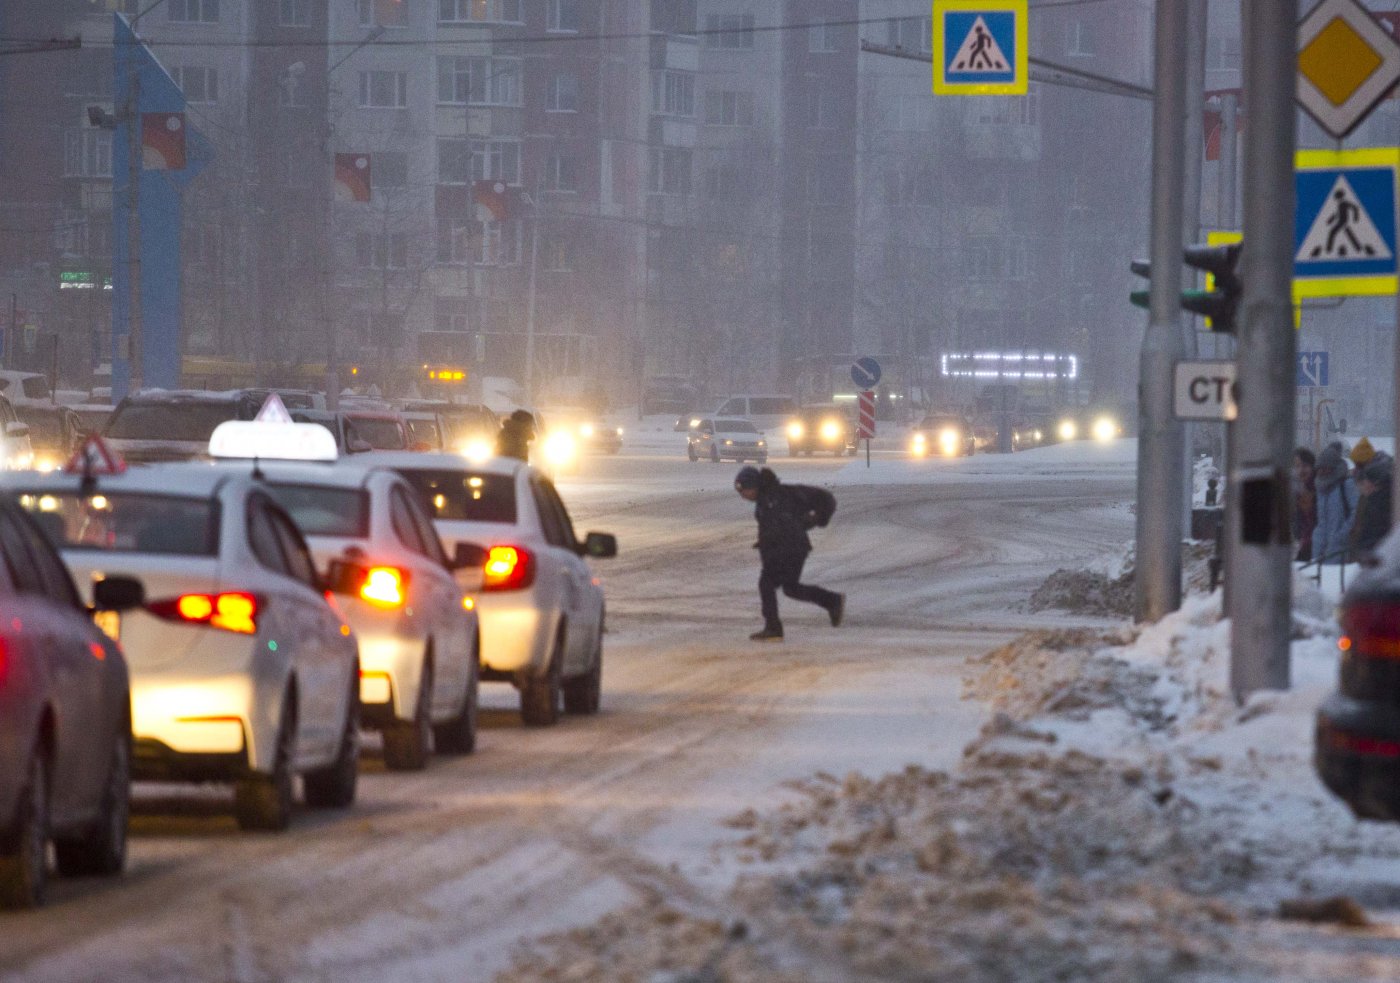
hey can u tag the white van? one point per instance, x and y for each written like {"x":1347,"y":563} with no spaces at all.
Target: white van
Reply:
{"x":765,"y":411}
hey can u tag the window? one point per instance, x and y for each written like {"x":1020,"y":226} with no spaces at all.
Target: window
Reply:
{"x":390,"y":170}
{"x":401,"y":518}
{"x":294,"y":13}
{"x":199,"y":84}
{"x":725,"y":108}
{"x":911,"y":34}
{"x":558,"y":256}
{"x":1223,"y":54}
{"x":194,"y":11}
{"x":673,"y":93}
{"x":450,"y":314}
{"x":294,"y":551}
{"x":381,"y":250}
{"x":561,"y":173}
{"x":459,"y":497}
{"x":323,"y":510}
{"x":498,"y":243}
{"x":821,"y":110}
{"x":670,"y":171}
{"x":1081,"y":38}
{"x":453,"y":237}
{"x":383,"y":90}
{"x":262,"y":539}
{"x":130,"y":523}
{"x":480,"y":81}
{"x":563,"y":94}
{"x":496,"y":160}
{"x":87,"y":153}
{"x":562,"y":15}
{"x":731,"y":31}
{"x":454,"y":161}
{"x":383,"y":13}
{"x":822,"y":38}
{"x":454,"y":80}
{"x":478,"y":11}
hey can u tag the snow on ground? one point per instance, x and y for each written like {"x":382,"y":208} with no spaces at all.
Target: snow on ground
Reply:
{"x":1119,"y":818}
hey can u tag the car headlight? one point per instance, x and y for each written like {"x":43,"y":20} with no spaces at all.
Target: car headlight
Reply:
{"x":918,"y":444}
{"x":476,"y":450}
{"x":46,"y":464}
{"x":949,"y":441}
{"x":619,"y":431}
{"x":586,"y":431}
{"x":729,"y":443}
{"x":763,"y":443}
{"x":1038,"y":436}
{"x":560,"y":448}
{"x":795,"y":431}
{"x":694,"y":422}
{"x":1068,"y":430}
{"x":1105,"y":428}
{"x":831,"y":430}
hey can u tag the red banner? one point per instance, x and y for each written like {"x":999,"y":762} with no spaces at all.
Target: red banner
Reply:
{"x":866,"y":402}
{"x":163,"y":141}
{"x":352,"y":177}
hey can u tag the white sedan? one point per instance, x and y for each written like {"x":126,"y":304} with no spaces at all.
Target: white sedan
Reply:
{"x":415,"y":621}
{"x":240,"y":670}
{"x":541,"y":606}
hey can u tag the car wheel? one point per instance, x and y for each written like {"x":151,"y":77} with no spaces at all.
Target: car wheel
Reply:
{"x":540,"y":697}
{"x":583,"y":694}
{"x":264,"y":802}
{"x":333,"y":787}
{"x":714,"y":455}
{"x":101,"y":850}
{"x":690,"y":453}
{"x":458,"y":735}
{"x":407,"y":742}
{"x":24,"y":874}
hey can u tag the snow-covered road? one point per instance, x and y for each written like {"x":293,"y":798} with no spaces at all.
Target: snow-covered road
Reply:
{"x":437,"y":875}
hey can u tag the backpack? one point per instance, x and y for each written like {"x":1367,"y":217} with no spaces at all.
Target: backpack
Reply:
{"x":818,"y":501}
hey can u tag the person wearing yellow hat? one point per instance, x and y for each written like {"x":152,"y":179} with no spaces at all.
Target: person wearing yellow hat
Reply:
{"x":1362,"y":454}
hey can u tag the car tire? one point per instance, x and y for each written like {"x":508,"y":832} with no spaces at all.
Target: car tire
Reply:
{"x":458,"y":735}
{"x":24,"y":874}
{"x":264,"y":802}
{"x":333,"y":787}
{"x":540,"y":697}
{"x":407,"y":743}
{"x":584,"y":694}
{"x":714,"y":455}
{"x":101,"y":850}
{"x":690,"y":453}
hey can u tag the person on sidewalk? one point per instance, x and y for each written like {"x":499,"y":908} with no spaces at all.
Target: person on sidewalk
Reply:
{"x":784,"y":514}
{"x":1336,"y":506}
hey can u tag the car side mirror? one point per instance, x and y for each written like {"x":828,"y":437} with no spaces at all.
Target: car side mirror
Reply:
{"x":118,"y":594}
{"x":600,"y":545}
{"x":344,"y":577}
{"x":468,"y":555}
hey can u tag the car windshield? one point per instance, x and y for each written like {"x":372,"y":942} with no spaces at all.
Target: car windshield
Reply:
{"x":464,"y":496}
{"x":380,"y":433}
{"x":170,"y":421}
{"x":319,"y":510}
{"x":120,"y":522}
{"x":735,"y":426}
{"x":770,"y":405}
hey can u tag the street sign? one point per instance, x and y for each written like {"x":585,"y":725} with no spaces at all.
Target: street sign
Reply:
{"x":865,"y":372}
{"x":273,"y":411}
{"x":1205,"y":391}
{"x":1312,"y":369}
{"x":1344,"y":230}
{"x":95,"y":457}
{"x":1347,"y":62}
{"x":980,"y":47}
{"x":866,"y":410}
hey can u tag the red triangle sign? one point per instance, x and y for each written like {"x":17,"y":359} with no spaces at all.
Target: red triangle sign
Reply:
{"x":95,"y":457}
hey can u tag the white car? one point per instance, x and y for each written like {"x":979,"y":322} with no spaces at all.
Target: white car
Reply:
{"x":240,"y":670}
{"x":415,"y":620}
{"x":720,"y":438}
{"x":541,"y":606}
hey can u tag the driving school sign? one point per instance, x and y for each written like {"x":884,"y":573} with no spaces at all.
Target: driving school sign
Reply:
{"x":980,"y":47}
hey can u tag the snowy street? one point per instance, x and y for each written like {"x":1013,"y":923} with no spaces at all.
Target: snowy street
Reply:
{"x":438,"y":875}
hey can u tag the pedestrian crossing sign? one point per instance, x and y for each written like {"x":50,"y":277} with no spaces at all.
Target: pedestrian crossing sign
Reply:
{"x":980,"y":47}
{"x":1344,"y":239}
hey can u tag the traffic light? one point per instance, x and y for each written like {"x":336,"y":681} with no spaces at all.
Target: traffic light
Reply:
{"x":1220,"y":300}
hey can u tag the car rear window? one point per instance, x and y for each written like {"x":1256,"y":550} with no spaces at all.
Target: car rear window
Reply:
{"x":381,"y":434}
{"x":169,"y":421}
{"x":319,"y":510}
{"x":122,"y":522}
{"x":464,"y":496}
{"x":770,"y":405}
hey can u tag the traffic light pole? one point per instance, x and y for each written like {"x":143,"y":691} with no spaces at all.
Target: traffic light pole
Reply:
{"x":1196,"y":22}
{"x":1259,"y":564}
{"x":1161,"y":449}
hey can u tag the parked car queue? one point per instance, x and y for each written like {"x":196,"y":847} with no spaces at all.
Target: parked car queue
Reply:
{"x":241,"y":620}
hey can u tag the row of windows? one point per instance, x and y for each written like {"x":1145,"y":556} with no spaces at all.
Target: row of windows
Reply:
{"x":560,"y":15}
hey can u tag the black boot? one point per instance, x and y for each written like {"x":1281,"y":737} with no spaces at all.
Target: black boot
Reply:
{"x":837,"y":611}
{"x":770,"y":633}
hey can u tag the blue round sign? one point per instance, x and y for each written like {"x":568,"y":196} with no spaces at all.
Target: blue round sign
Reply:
{"x":865,"y":372}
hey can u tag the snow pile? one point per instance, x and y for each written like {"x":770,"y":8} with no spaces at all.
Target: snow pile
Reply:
{"x":1119,"y":817}
{"x":1106,"y":590}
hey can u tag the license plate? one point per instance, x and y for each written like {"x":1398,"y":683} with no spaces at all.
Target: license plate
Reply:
{"x":110,"y":623}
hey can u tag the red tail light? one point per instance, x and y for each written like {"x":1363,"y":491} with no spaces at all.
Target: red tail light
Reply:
{"x":230,"y":611}
{"x":384,"y":586}
{"x":1374,"y":747}
{"x":1371,"y":629}
{"x":508,"y":568}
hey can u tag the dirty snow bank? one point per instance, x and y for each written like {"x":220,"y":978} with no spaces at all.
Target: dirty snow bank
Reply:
{"x":1106,"y":589}
{"x":1119,"y":817}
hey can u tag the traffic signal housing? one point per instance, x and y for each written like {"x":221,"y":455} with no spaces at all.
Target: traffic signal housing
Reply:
{"x":1219,"y":302}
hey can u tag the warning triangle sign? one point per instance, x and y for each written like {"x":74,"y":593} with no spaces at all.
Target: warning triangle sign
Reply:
{"x":273,"y":411}
{"x":95,"y":457}
{"x":979,"y":51}
{"x":1342,"y":230}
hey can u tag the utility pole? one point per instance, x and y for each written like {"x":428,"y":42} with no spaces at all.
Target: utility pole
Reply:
{"x":1259,"y":562}
{"x":1191,"y":213}
{"x":132,"y":119}
{"x":1161,"y":449}
{"x":1229,"y":166}
{"x":530,"y":302}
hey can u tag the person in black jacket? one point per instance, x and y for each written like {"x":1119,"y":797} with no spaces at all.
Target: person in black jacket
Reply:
{"x":784,"y":514}
{"x":515,"y":436}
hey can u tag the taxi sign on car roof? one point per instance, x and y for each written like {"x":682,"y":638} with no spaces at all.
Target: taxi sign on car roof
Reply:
{"x":252,"y":440}
{"x":95,"y":457}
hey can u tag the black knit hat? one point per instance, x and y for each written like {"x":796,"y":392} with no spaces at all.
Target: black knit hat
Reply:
{"x":747,"y":477}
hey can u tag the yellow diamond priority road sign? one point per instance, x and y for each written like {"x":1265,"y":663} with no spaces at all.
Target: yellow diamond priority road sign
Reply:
{"x":1347,"y":62}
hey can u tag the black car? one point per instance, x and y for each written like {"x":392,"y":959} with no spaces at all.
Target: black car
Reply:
{"x":943,"y":435}
{"x":821,"y":428}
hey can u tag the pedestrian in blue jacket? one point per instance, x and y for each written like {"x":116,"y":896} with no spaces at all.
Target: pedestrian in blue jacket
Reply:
{"x":1336,"y":506}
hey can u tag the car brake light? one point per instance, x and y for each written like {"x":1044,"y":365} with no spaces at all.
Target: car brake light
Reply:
{"x":383,"y":586}
{"x":230,"y":611}
{"x":508,"y":568}
{"x":1371,"y":629}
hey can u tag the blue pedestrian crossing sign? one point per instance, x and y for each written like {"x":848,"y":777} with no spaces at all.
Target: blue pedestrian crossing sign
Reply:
{"x":980,"y":47}
{"x":1344,"y":238}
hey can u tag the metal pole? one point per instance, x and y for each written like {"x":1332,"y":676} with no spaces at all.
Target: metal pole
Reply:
{"x":1191,"y":214}
{"x":12,"y":337}
{"x":134,"y":345}
{"x":1160,"y":444}
{"x":530,"y":305}
{"x":1229,"y":164}
{"x":1260,"y":563}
